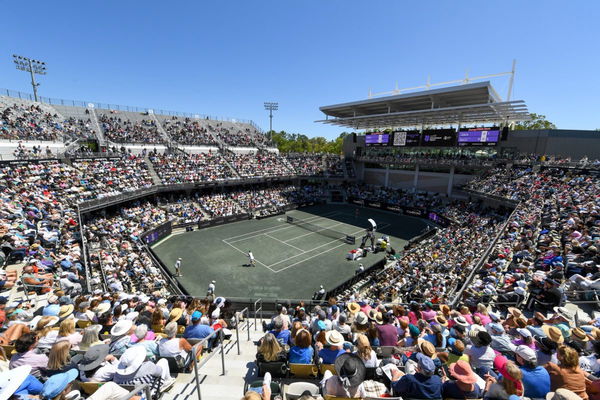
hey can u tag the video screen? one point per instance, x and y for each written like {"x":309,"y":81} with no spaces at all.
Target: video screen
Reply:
{"x":479,"y":137}
{"x":438,"y":137}
{"x":377,"y":139}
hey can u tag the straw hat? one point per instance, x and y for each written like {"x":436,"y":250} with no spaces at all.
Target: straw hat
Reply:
{"x":102,"y":308}
{"x":353,"y":307}
{"x":440,"y":319}
{"x":334,"y":338}
{"x":553,"y":333}
{"x":175,"y":314}
{"x":579,"y":334}
{"x":65,"y":311}
{"x":445,"y":309}
{"x":426,"y":348}
{"x":515,"y":312}
{"x":379,"y":318}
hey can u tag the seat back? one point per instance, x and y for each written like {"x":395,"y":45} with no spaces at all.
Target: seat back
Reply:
{"x":295,"y":389}
{"x":304,"y":370}
{"x":9,"y":350}
{"x":277,"y":369}
{"x":90,"y":388}
{"x":327,"y":367}
{"x":331,"y":397}
{"x":83,"y":324}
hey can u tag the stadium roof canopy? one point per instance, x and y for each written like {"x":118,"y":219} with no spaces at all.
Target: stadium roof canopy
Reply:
{"x":464,"y":104}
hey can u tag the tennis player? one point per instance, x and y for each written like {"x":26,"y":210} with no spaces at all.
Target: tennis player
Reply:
{"x":251,"y":260}
{"x":178,"y":267}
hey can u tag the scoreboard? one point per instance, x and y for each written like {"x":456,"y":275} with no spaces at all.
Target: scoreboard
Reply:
{"x":479,"y":137}
{"x":377,"y":139}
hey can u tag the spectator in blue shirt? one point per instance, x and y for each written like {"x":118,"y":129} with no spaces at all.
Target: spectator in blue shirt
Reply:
{"x":423,"y":384}
{"x":536,"y":379}
{"x":197,"y":330}
{"x":302,"y":352}
{"x":334,"y":348}
{"x":281,"y":332}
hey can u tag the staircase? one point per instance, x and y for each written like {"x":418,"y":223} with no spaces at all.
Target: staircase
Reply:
{"x":155,"y":178}
{"x":161,"y":130}
{"x":96,"y":124}
{"x":238,"y":369}
{"x":233,"y":170}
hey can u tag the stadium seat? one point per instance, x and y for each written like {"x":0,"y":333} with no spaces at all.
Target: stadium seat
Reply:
{"x":89,"y":388}
{"x":303,"y":370}
{"x":327,"y":367}
{"x":331,"y":397}
{"x":278,"y":369}
{"x":295,"y":389}
{"x":275,"y":387}
{"x":83,"y":324}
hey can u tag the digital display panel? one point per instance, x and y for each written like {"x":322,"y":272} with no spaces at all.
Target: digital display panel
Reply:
{"x":438,"y":137}
{"x":406,"y":138}
{"x":377,"y":139}
{"x":479,"y":137}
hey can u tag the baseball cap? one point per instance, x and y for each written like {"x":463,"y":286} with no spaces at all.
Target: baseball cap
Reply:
{"x":425,"y":364}
{"x":526,"y":353}
{"x":196,"y":315}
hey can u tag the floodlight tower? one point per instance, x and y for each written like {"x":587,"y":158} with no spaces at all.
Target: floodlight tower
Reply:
{"x":33,"y":67}
{"x":271,"y":106}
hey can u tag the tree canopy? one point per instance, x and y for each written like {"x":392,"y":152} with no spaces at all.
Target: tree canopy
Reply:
{"x":299,"y":143}
{"x":538,"y":121}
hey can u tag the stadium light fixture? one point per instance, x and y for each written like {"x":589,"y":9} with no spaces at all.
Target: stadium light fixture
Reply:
{"x":33,"y":67}
{"x":271,"y":106}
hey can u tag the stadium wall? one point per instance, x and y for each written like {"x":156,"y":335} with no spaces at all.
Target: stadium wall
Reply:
{"x":561,"y":142}
{"x":438,"y":182}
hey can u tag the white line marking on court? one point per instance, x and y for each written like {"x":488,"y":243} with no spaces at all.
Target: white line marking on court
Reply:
{"x":244,"y":253}
{"x":318,"y":247}
{"x":316,"y":255}
{"x":278,"y":229}
{"x":310,"y":233}
{"x":281,"y":241}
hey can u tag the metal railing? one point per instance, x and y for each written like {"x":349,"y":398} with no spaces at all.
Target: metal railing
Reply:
{"x":218,"y":334}
{"x":86,"y":265}
{"x":237,"y":326}
{"x":117,"y":107}
{"x":256,"y":311}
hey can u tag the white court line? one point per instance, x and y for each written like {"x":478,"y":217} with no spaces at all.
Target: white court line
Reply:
{"x":244,"y":253}
{"x":316,"y":255}
{"x":317,"y":231}
{"x":281,"y":241}
{"x":278,"y":229}
{"x":318,"y":247}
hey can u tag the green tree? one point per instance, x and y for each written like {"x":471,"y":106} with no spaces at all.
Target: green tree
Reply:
{"x":299,"y":143}
{"x":538,"y":121}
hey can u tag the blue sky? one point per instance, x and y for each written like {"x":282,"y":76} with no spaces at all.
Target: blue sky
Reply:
{"x":227,"y":57}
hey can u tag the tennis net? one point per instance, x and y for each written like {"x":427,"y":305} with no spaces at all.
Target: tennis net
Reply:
{"x":332,"y":233}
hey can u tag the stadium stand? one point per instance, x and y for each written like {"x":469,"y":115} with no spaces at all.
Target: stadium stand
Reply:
{"x":441,"y":318}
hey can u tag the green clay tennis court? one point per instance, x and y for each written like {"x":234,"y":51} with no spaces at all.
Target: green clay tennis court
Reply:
{"x":291,"y":261}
